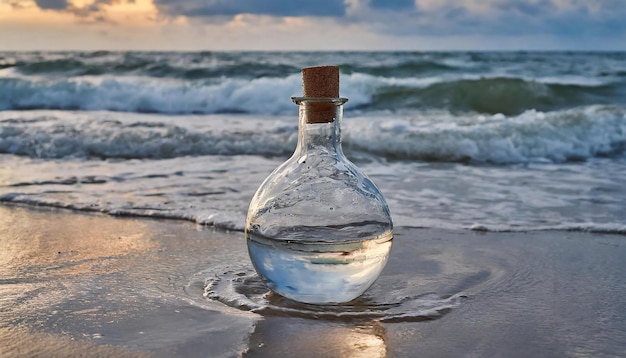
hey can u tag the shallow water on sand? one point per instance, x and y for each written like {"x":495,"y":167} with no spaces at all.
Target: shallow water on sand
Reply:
{"x":76,"y":283}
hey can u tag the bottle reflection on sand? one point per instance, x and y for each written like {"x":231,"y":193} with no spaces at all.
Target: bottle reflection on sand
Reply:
{"x":277,"y":336}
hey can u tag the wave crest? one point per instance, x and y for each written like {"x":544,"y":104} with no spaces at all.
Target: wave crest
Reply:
{"x":509,"y":96}
{"x":559,"y":136}
{"x":270,"y":94}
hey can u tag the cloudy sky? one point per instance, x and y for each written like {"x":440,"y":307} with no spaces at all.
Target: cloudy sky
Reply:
{"x":312,"y":25}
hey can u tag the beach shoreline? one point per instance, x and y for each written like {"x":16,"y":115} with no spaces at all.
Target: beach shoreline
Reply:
{"x":87,"y":284}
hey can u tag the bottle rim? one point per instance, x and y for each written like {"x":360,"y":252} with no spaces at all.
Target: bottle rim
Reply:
{"x":338,"y":100}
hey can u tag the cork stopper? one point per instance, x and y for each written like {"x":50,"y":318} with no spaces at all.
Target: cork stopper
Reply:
{"x":320,"y":82}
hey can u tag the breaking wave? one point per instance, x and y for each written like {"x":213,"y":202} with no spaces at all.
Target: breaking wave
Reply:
{"x":558,"y":136}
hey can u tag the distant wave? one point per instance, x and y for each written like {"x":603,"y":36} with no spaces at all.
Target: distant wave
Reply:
{"x":150,"y":67}
{"x":145,"y":95}
{"x":270,"y":95}
{"x":204,"y":65}
{"x":262,"y":82}
{"x":559,"y":136}
{"x":411,"y":68}
{"x":495,"y":95}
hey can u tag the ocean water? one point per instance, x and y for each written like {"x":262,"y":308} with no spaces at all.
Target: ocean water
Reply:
{"x":512,"y":141}
{"x":459,"y":143}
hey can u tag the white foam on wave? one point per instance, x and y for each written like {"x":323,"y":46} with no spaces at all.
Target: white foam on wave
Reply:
{"x":264,"y":95}
{"x":213,"y":190}
{"x":55,"y":134}
{"x":143,"y":94}
{"x":533,"y":136}
{"x":598,"y":228}
{"x":216,"y":190}
{"x":583,"y":81}
{"x":560,"y":136}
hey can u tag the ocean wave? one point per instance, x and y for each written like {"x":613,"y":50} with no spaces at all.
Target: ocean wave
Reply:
{"x":182,"y":65}
{"x":68,"y":136}
{"x":270,"y":95}
{"x":145,"y":95}
{"x":262,"y":82}
{"x":559,"y":136}
{"x":411,"y":68}
{"x":493,"y":95}
{"x":221,"y":219}
{"x":596,"y":228}
{"x":140,"y":66}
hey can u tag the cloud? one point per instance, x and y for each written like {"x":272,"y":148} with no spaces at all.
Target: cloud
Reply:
{"x":392,"y":4}
{"x":18,"y":4}
{"x":93,"y":11}
{"x":52,"y":4}
{"x":209,"y":8}
{"x":568,"y":18}
{"x":407,"y":24}
{"x":429,"y":17}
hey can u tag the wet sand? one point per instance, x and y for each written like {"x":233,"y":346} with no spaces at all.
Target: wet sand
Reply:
{"x":75,"y":284}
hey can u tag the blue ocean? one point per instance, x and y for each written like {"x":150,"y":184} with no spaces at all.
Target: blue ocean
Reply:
{"x":487,"y":141}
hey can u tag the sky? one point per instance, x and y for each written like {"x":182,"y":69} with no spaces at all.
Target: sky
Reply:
{"x":195,"y":25}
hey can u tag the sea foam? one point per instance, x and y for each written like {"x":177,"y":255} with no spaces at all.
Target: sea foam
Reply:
{"x":560,"y":136}
{"x":533,"y":136}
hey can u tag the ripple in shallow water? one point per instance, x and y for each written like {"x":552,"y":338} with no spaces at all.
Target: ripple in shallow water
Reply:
{"x":242,"y":289}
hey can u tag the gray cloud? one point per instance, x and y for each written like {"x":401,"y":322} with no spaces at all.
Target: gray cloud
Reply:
{"x":52,"y":4}
{"x":430,"y":17}
{"x":563,"y":19}
{"x":208,"y":8}
{"x":94,"y":9}
{"x":528,"y":8}
{"x":501,"y":18}
{"x":392,"y":4}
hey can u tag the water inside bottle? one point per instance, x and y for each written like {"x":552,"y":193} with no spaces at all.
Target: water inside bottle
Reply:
{"x":319,"y":271}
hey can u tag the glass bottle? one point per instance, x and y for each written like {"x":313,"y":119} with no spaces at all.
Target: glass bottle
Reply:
{"x":318,"y":230}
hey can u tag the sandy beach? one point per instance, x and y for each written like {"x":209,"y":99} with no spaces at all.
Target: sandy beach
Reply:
{"x":78,"y":284}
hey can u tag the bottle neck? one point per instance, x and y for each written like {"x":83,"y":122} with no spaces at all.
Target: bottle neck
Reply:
{"x":319,"y":126}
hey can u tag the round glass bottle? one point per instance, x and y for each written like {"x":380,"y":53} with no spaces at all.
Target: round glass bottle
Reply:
{"x":318,"y":230}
